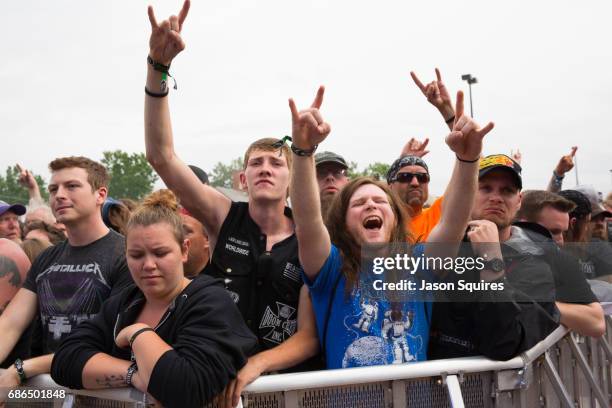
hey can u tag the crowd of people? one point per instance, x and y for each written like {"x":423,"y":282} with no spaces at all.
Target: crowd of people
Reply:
{"x":189,"y":296}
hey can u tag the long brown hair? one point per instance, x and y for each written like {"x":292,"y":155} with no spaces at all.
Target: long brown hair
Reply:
{"x":335,"y":221}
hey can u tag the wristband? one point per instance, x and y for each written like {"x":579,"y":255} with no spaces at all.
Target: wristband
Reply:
{"x":467,"y":161}
{"x":138,"y":333}
{"x":450,"y":120}
{"x":158,"y":66}
{"x":302,"y":152}
{"x":165,"y":71}
{"x":130,"y":373}
{"x":558,"y":177}
{"x":19,"y":367}
{"x":157,"y":95}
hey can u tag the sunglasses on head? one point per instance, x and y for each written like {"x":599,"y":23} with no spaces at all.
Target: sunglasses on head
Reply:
{"x":407,"y":177}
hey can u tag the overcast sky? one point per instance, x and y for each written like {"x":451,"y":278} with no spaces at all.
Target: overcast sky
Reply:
{"x":73,"y":74}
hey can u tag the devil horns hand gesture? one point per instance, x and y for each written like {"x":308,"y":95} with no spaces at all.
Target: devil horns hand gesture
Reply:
{"x":465,"y":138}
{"x":309,"y":128}
{"x":166,"y":42}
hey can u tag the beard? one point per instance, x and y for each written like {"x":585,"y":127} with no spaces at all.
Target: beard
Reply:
{"x":326,"y":201}
{"x":413,"y":201}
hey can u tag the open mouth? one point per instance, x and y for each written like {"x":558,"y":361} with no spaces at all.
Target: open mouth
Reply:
{"x":373,"y":222}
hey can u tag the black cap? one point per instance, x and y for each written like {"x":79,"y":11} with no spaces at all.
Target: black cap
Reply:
{"x":597,"y":207}
{"x":201,"y":174}
{"x":330,"y":157}
{"x":583,"y":205}
{"x":500,"y":161}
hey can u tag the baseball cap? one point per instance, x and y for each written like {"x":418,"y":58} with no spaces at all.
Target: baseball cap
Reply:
{"x":200,"y":174}
{"x":15,"y":208}
{"x":500,"y":161}
{"x":583,"y":205}
{"x":330,"y":157}
{"x":403,"y":162}
{"x":593,"y":197}
{"x":106,"y":207}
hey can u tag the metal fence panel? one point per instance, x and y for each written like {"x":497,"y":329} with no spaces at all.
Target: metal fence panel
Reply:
{"x":375,"y":395}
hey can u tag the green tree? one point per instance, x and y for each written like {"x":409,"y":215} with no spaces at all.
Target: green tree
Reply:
{"x":221,"y":175}
{"x":12,"y":192}
{"x":131,"y":175}
{"x":376,"y":170}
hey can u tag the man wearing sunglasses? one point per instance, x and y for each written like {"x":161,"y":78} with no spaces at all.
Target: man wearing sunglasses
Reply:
{"x":408,"y":176}
{"x":332,"y":176}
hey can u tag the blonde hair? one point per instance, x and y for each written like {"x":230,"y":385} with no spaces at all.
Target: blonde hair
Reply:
{"x":267,"y":144}
{"x":158,"y":207}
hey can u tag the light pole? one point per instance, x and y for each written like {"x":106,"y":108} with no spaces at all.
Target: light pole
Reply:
{"x":470,"y":80}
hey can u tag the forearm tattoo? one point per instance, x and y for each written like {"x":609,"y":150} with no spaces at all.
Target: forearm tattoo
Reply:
{"x":8,"y":267}
{"x":111,"y":381}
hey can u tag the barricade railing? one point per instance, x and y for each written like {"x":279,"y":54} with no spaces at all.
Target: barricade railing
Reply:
{"x":563,"y":370}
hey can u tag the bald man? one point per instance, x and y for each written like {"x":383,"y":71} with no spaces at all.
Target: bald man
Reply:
{"x":14,"y":265}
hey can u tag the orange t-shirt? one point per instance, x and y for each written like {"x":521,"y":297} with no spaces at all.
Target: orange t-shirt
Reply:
{"x":421,"y":225}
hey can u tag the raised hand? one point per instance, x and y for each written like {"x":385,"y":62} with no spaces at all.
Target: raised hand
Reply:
{"x":415,"y":148}
{"x":165,"y":41}
{"x":566,"y":163}
{"x":26,"y":179}
{"x":309,"y":128}
{"x":436,"y":93}
{"x":516,"y":155}
{"x":466,"y":136}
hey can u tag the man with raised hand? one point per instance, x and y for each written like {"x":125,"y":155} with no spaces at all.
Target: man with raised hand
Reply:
{"x":68,"y":282}
{"x":566,"y":163}
{"x":408,"y":176}
{"x":253,"y":245}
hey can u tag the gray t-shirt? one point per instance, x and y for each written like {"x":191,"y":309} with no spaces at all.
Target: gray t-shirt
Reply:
{"x":73,"y":282}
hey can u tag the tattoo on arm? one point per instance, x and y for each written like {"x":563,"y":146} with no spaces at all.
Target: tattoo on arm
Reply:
{"x":8,"y":267}
{"x":111,"y":381}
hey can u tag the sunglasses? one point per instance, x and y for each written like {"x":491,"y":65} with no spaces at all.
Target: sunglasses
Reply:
{"x":336,"y":173}
{"x":407,"y":177}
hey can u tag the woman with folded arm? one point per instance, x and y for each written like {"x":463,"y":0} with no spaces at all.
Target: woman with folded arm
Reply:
{"x":179,"y":340}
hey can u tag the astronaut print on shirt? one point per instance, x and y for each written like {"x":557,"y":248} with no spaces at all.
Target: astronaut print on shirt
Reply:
{"x":384,"y":332}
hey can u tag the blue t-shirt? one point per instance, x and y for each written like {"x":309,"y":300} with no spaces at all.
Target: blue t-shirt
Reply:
{"x":364,"y":327}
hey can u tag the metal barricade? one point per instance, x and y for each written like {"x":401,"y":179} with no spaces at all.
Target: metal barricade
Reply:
{"x":563,"y":370}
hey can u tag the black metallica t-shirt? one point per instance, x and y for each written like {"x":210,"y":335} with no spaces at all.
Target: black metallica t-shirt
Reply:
{"x":72,"y":283}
